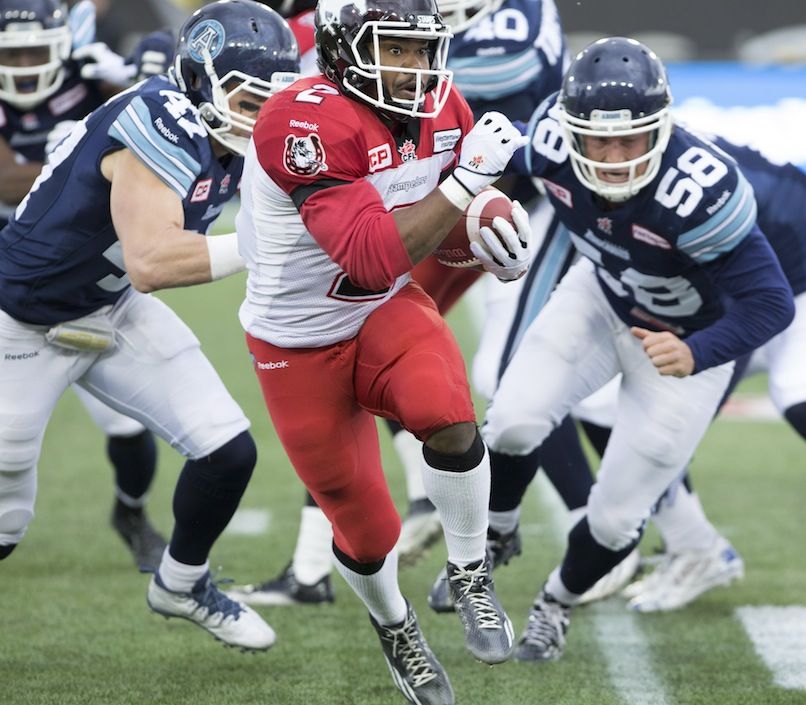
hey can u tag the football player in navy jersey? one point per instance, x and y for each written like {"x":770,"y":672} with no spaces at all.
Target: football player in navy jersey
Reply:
{"x":78,"y":258}
{"x":696,"y":556}
{"x":42,"y":94}
{"x":675,"y":282}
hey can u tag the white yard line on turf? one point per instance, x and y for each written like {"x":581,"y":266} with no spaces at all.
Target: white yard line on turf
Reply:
{"x":250,"y":522}
{"x":779,"y":638}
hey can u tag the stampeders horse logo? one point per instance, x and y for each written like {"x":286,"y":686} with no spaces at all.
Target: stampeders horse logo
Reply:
{"x":408,"y":150}
{"x":304,"y":156}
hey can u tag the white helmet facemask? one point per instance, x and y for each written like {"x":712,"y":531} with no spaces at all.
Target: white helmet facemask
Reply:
{"x":26,"y":86}
{"x":228,"y":126}
{"x":615,"y":123}
{"x":367,"y":66}
{"x":461,"y":14}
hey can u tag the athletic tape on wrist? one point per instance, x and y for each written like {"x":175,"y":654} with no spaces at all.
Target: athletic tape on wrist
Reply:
{"x":457,"y":194}
{"x":224,"y":257}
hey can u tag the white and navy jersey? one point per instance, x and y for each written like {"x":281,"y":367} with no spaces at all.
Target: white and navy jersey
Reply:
{"x":26,"y":131}
{"x":675,"y":256}
{"x":60,"y":257}
{"x":781,"y":197}
{"x":510,"y":60}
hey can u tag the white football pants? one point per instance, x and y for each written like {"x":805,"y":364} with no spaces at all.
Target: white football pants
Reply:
{"x":157,"y":374}
{"x":576,"y":345}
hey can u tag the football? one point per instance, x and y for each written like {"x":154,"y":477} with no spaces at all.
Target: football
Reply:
{"x":454,"y":250}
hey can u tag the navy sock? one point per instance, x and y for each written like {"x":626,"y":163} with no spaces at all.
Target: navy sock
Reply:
{"x":565,"y":464}
{"x":586,"y":560}
{"x":135,"y":461}
{"x":5,"y":551}
{"x":796,"y":415}
{"x":510,"y":477}
{"x":207,"y":494}
{"x":597,"y":435}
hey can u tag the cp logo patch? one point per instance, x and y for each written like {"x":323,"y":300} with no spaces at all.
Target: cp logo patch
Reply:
{"x":304,"y":156}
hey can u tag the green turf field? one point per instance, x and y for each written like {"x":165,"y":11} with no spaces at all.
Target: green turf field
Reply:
{"x":75,"y":629}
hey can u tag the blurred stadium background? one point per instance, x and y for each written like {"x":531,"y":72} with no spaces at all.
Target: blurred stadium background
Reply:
{"x":74,"y":627}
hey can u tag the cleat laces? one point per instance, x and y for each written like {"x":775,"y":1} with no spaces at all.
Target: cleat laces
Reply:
{"x":472,"y":586}
{"x":406,"y":646}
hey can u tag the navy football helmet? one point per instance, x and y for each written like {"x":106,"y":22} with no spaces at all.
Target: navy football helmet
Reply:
{"x":348,"y":33}
{"x":615,"y":87}
{"x":34,"y":46}
{"x":229,"y":49}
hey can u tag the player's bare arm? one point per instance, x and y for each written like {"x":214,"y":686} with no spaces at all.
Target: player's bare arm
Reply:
{"x":15,"y":178}
{"x":149,"y":221}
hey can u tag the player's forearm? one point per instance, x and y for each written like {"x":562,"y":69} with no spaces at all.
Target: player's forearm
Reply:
{"x":424,"y":225}
{"x":178,"y":258}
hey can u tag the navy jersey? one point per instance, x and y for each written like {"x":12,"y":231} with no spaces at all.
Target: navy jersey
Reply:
{"x":60,"y":258}
{"x":510,"y":60}
{"x":26,"y":131}
{"x":676,"y":255}
{"x":781,"y":196}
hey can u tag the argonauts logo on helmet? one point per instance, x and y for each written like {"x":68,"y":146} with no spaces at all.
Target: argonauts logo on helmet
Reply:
{"x":206,"y":37}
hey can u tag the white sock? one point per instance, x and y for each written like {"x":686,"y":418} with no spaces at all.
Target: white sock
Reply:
{"x":682,"y":523}
{"x":410,"y":452}
{"x":575,"y":515}
{"x":380,"y":591}
{"x":180,"y":577}
{"x":461,"y":499}
{"x":556,"y":588}
{"x":504,"y":522}
{"x":313,"y":556}
{"x":129,"y":501}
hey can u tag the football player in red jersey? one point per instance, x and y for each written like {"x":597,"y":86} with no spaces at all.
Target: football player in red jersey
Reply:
{"x":341,"y":197}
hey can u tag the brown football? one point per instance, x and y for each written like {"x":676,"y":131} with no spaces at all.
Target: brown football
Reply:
{"x":454,"y":250}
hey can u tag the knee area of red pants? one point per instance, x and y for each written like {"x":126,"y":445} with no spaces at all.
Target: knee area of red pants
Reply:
{"x":367,"y":527}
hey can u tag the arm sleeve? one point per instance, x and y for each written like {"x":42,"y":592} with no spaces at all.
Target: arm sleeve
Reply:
{"x":351,"y":224}
{"x":160,"y":142}
{"x":760,"y":307}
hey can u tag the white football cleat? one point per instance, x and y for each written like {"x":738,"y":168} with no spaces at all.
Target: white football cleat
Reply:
{"x":227,"y":620}
{"x":614,"y":581}
{"x":681,"y":578}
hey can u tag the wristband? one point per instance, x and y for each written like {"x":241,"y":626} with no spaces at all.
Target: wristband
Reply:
{"x":224,"y":257}
{"x":457,"y":194}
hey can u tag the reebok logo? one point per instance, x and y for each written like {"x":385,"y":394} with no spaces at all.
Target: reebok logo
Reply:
{"x":22,"y":356}
{"x":304,"y":124}
{"x":166,"y":132}
{"x":271,"y":365}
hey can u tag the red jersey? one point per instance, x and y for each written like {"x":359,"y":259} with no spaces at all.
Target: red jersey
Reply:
{"x":321,"y":176}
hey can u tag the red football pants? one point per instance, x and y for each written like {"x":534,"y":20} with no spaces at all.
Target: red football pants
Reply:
{"x":444,"y":284}
{"x":404,"y":364}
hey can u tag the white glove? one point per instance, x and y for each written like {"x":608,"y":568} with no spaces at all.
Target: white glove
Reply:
{"x":100,"y":63}
{"x":506,"y":254}
{"x":57,"y":134}
{"x":485,"y":153}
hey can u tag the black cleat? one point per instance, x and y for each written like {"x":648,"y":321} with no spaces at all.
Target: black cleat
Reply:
{"x":488,"y":631}
{"x":144,"y":541}
{"x":414,"y":668}
{"x":501,"y":548}
{"x":285,"y":589}
{"x":544,"y":636}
